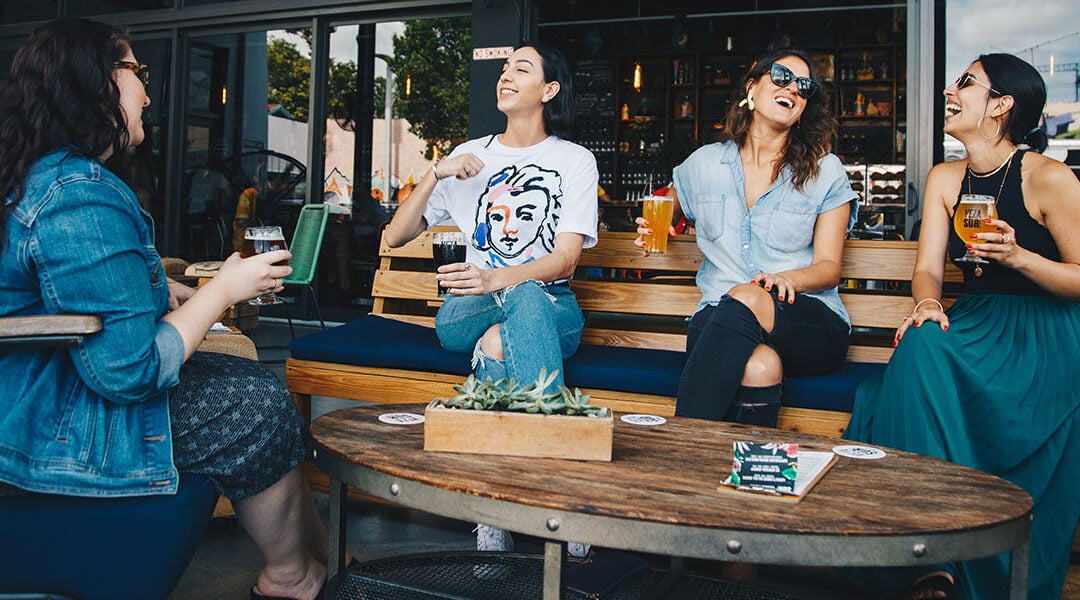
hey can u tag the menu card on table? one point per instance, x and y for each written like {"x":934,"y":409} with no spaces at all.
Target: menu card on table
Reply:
{"x":776,"y":470}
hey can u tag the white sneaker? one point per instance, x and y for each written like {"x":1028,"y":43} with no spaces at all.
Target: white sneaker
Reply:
{"x":577,"y":549}
{"x":493,"y":539}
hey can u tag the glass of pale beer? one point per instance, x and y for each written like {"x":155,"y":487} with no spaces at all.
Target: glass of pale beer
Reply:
{"x":657,"y":210}
{"x":257,"y":240}
{"x":969,"y":219}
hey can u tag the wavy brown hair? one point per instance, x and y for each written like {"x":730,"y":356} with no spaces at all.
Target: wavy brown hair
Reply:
{"x":60,"y":93}
{"x":808,"y":141}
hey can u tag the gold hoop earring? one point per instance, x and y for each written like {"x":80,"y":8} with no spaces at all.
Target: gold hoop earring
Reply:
{"x":748,"y":102}
{"x":997,"y":131}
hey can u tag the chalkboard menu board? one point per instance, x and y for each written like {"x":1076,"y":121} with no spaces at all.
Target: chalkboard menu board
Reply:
{"x":594,"y":83}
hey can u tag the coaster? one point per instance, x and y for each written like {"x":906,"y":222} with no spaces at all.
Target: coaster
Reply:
{"x":401,"y":418}
{"x":863,"y":452}
{"x":643,"y":419}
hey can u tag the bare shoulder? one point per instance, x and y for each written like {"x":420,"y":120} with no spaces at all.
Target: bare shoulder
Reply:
{"x":1043,"y":171}
{"x":1049,"y":185}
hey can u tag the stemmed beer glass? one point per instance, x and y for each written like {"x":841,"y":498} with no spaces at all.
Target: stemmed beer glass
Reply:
{"x":258,"y":240}
{"x":970,"y":218}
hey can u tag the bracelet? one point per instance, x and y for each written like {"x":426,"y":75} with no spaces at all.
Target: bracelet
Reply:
{"x":920,"y":303}
{"x":435,"y":165}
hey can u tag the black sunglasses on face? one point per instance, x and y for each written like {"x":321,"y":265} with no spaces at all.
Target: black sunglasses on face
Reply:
{"x":967,"y":79}
{"x":783,"y":76}
{"x":140,"y":70}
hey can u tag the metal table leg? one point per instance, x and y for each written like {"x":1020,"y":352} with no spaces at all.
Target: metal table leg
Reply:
{"x":1019,"y":562}
{"x":336,"y":536}
{"x":553,"y":569}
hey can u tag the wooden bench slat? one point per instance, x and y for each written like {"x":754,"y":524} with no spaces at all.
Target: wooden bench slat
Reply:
{"x":636,"y":298}
{"x":675,"y":342}
{"x":619,"y":252}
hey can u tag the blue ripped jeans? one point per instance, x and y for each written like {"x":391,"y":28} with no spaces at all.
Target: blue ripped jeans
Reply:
{"x":539,"y":325}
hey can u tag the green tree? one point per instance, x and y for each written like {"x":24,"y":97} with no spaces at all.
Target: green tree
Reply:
{"x":288,"y":74}
{"x":435,"y":53}
{"x":289,"y":78}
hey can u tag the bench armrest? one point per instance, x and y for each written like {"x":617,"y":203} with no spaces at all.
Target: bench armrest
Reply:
{"x":46,"y":331}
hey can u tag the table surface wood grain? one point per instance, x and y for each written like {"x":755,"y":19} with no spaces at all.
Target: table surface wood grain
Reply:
{"x":670,"y":473}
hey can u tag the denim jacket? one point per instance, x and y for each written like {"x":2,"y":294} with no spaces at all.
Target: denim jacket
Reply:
{"x":92,"y":420}
{"x":776,"y":234}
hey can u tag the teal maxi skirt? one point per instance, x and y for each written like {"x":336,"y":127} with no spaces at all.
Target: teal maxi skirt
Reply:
{"x":999,"y":392}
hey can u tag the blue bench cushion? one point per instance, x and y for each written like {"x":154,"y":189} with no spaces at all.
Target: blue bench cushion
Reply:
{"x":103,"y":548}
{"x":376,"y":341}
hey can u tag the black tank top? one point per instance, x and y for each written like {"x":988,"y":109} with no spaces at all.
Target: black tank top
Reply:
{"x":995,"y":278}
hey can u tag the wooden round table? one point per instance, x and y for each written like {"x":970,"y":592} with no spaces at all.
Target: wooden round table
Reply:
{"x":659,"y":494}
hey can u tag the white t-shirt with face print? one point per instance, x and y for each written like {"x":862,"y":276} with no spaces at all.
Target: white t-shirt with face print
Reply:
{"x":512,"y":211}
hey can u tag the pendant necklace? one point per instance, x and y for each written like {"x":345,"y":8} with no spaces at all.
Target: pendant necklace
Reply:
{"x":1008,"y":165}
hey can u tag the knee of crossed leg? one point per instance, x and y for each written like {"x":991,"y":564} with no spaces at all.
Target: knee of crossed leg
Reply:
{"x":491,"y":343}
{"x":763,"y":369}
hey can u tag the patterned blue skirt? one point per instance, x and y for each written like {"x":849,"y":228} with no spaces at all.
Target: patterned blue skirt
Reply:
{"x":235,"y":423}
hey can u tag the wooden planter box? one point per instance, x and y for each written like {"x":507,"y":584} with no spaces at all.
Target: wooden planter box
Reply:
{"x":517,"y":434}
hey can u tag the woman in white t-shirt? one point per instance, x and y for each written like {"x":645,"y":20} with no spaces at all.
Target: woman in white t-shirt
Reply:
{"x":526,"y":202}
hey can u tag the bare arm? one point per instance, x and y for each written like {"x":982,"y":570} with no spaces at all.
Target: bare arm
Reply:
{"x":823,"y":273}
{"x":466,"y":279}
{"x":942,"y":187}
{"x":238,"y":279}
{"x":408,"y":221}
{"x":1053,"y":192}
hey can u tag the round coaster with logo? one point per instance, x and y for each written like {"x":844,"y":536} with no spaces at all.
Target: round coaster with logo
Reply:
{"x":861,"y":452}
{"x":638,"y":419}
{"x":401,"y":418}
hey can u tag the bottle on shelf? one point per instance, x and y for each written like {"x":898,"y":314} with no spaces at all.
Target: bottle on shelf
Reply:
{"x":624,"y":113}
{"x":866,"y":70}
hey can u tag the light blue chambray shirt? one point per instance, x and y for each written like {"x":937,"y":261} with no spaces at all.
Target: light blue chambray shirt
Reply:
{"x":776,"y":234}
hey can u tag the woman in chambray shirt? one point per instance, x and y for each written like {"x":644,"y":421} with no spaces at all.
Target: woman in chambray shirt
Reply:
{"x":771,"y":207}
{"x":133,"y":407}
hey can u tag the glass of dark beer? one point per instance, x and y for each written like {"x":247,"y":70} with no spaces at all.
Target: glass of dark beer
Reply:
{"x":257,"y":240}
{"x":447,"y":247}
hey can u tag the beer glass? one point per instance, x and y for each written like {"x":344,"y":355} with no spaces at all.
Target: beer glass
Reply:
{"x":657,"y":210}
{"x":447,"y":248}
{"x":256,"y":241}
{"x":969,"y":218}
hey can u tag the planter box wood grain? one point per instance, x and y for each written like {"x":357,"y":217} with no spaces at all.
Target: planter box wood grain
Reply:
{"x":517,"y":434}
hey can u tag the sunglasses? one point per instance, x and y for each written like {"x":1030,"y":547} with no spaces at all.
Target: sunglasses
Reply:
{"x":783,"y":76}
{"x":967,"y":79}
{"x":140,"y":70}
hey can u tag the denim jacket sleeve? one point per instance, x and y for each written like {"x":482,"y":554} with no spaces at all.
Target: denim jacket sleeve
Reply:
{"x":93,"y":251}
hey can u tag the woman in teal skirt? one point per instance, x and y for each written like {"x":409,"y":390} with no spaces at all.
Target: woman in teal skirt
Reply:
{"x":992,"y":383}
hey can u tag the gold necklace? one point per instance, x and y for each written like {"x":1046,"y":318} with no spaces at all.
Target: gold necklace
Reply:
{"x":994,"y":172}
{"x":1008,"y":165}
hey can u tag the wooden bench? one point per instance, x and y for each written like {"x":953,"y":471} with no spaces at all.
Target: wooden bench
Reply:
{"x":649,"y":313}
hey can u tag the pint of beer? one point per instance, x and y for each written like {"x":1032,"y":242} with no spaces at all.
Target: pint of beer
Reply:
{"x":969,"y":218}
{"x":657,"y":210}
{"x":258,"y":240}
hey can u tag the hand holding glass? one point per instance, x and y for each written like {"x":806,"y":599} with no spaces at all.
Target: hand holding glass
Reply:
{"x":970,"y":218}
{"x":657,"y":210}
{"x":447,"y":248}
{"x":258,"y":240}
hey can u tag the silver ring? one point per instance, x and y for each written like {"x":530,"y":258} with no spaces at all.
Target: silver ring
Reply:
{"x":1005,"y":238}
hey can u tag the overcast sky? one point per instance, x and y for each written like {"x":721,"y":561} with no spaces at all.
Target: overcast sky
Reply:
{"x":1032,"y":30}
{"x":343,"y":42}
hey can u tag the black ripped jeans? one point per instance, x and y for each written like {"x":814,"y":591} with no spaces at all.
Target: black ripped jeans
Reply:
{"x":809,"y":338}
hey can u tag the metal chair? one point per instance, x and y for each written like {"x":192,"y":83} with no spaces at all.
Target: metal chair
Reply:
{"x":305,"y":247}
{"x":94,"y":548}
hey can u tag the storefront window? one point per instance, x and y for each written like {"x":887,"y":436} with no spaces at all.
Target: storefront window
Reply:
{"x":88,"y":8}
{"x":21,"y":11}
{"x":1046,"y":38}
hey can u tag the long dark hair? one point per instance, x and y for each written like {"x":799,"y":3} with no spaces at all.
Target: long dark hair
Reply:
{"x":559,"y":111}
{"x":808,"y":141}
{"x":1012,"y":76}
{"x":60,"y":93}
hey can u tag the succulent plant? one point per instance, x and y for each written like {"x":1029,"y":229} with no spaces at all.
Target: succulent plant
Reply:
{"x":508,"y":394}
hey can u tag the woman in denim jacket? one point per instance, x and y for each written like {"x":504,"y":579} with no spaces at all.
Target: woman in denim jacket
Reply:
{"x":127,"y":411}
{"x":526,"y":202}
{"x":771,"y":207}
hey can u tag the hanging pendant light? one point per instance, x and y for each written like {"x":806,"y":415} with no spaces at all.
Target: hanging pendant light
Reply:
{"x":637,"y":77}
